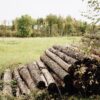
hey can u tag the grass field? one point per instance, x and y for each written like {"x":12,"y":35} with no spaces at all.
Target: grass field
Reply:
{"x":15,"y":51}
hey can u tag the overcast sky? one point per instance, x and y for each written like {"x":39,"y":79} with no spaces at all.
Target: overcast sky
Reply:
{"x":10,"y":9}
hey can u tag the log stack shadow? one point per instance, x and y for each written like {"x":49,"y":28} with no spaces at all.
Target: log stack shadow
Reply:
{"x":61,"y":69}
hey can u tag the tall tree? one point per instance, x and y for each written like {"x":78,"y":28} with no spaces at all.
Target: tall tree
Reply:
{"x":60,"y":25}
{"x":68,"y":25}
{"x":93,"y":11}
{"x":24,"y":26}
{"x":51,"y":19}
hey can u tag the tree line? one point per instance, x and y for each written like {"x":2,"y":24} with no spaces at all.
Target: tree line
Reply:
{"x":52,"y":25}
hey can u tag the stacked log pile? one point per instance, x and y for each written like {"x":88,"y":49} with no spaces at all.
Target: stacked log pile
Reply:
{"x":60,"y":70}
{"x":92,"y":44}
{"x":91,"y":41}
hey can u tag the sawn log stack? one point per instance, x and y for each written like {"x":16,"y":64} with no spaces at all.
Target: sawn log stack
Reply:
{"x":59,"y":68}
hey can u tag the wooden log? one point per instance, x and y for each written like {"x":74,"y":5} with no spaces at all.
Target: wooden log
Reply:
{"x":51,"y":82}
{"x":41,"y":74}
{"x":56,"y":68}
{"x":44,"y":79}
{"x":35,"y":73}
{"x":7,"y":90}
{"x":22,"y":86}
{"x":58,"y":60}
{"x":27,"y":78}
{"x":59,"y":83}
{"x":18,"y":93}
{"x":70,"y":52}
{"x":66,"y":58}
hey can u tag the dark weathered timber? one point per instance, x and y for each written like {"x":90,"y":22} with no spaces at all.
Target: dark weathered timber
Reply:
{"x":51,"y":82}
{"x":63,"y":56}
{"x":57,"y":79}
{"x":70,"y":52}
{"x":7,"y":90}
{"x":59,"y":83}
{"x":55,"y":68}
{"x":27,"y":78}
{"x":21,"y":84}
{"x":58,"y":60}
{"x":35,"y":73}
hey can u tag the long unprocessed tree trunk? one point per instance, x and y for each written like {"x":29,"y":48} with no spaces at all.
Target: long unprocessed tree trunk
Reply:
{"x":7,"y":90}
{"x":56,"y":68}
{"x":21,"y":84}
{"x":58,"y":60}
{"x":51,"y":82}
{"x":35,"y":73}
{"x":27,"y":78}
{"x":63,"y":56}
{"x":70,"y":52}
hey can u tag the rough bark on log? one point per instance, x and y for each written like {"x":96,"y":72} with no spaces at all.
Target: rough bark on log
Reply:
{"x":24,"y":89}
{"x":42,"y":76}
{"x":56,"y":68}
{"x":7,"y":90}
{"x":70,"y":52}
{"x":57,"y":79}
{"x":59,"y":83}
{"x":66,"y":58}
{"x":44,"y":79}
{"x":51,"y":82}
{"x":35,"y":73}
{"x":27,"y":78}
{"x":58,"y":60}
{"x":18,"y":93}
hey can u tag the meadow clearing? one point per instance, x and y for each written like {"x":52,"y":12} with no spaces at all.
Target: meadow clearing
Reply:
{"x":15,"y":51}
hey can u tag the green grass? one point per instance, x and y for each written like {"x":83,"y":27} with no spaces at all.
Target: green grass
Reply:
{"x":14,"y":51}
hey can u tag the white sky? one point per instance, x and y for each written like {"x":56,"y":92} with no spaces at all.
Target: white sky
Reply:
{"x":10,"y":9}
